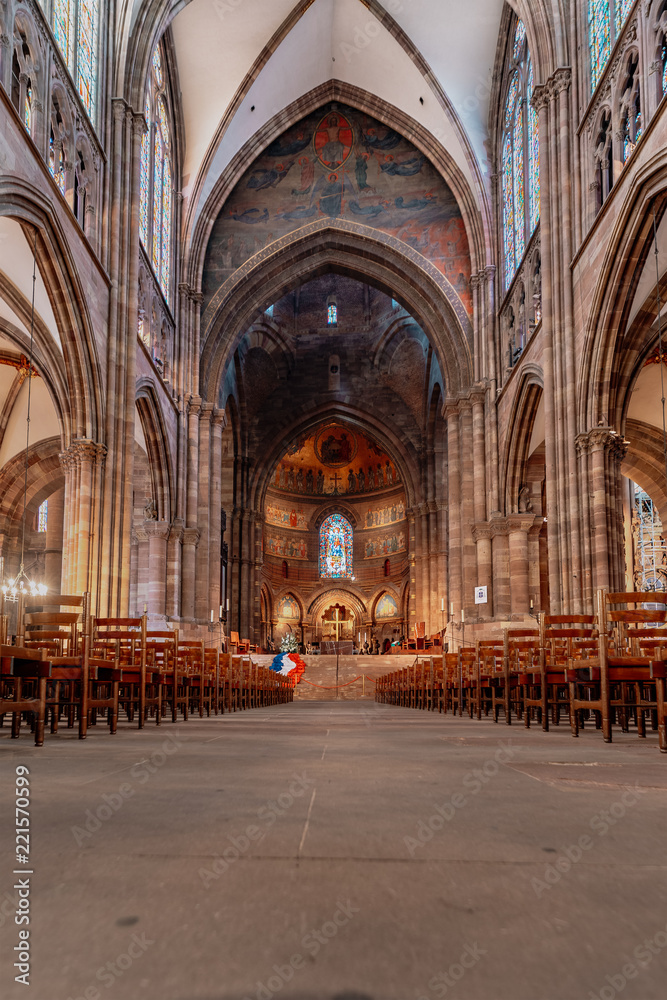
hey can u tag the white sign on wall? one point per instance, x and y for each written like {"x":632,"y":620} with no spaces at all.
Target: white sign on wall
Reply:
{"x":481,"y":595}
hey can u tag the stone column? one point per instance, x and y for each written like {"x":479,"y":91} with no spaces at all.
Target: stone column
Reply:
{"x":53,"y":555}
{"x":218,"y":422}
{"x":451,"y":414}
{"x":174,"y":563}
{"x":534,"y":580}
{"x":190,"y":541}
{"x":468,"y":500}
{"x":247,"y":559}
{"x":606,"y":452}
{"x":202,"y":597}
{"x":411,"y":516}
{"x":519,"y":525}
{"x":501,"y":567}
{"x":158,"y":535}
{"x":82,"y":505}
{"x":483,"y":534}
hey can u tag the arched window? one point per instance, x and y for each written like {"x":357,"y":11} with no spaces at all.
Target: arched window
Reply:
{"x":605,"y":22}
{"x":520,"y":158}
{"x":43,"y":516}
{"x":332,"y":315}
{"x":156,"y":184}
{"x":631,"y":113}
{"x":336,"y":547}
{"x":76,"y":29}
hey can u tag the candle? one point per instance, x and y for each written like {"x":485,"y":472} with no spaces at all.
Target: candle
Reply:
{"x":531,"y":604}
{"x":364,"y":637}
{"x":360,"y":638}
{"x":442,"y":604}
{"x":145,"y":608}
{"x":211,"y":616}
{"x":221,"y":611}
{"x":451,"y":608}
{"x":228,"y":604}
{"x":463,"y":615}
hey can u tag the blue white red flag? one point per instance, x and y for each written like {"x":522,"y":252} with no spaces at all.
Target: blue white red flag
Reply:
{"x":289,"y":665}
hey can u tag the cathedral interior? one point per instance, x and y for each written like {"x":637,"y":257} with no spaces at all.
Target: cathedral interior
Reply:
{"x":339,"y":322}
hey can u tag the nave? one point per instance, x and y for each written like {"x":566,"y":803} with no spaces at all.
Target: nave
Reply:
{"x":341,"y":851}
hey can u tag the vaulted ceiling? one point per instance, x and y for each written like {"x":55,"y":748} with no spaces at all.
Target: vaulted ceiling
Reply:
{"x":241,"y":62}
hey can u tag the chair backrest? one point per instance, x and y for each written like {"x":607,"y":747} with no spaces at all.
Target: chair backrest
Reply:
{"x":420,"y":630}
{"x":59,"y":630}
{"x":618,"y":625}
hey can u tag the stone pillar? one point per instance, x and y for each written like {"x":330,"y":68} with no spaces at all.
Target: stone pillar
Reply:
{"x":247,"y":559}
{"x":202,"y":596}
{"x":189,"y":553}
{"x":158,"y":535}
{"x":412,"y":569}
{"x":469,"y":549}
{"x":218,"y":423}
{"x":534,"y":580}
{"x":606,"y":450}
{"x":501,"y":567}
{"x":53,"y":554}
{"x":174,"y":564}
{"x":519,"y":525}
{"x":451,"y":414}
{"x":81,"y":503}
{"x":483,"y":534}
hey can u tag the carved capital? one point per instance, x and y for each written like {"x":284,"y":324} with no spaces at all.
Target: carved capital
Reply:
{"x":561,"y":80}
{"x":191,"y":536}
{"x":540,"y":98}
{"x":194,"y":405}
{"x":521,"y":522}
{"x":176,"y":529}
{"x":482,"y":530}
{"x":157,"y":529}
{"x":219,"y":418}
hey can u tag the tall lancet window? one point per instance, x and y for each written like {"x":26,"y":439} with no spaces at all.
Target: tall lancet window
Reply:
{"x":156,"y":177}
{"x":75,"y":26}
{"x":605,"y":23}
{"x":520,"y":157}
{"x":336,"y":547}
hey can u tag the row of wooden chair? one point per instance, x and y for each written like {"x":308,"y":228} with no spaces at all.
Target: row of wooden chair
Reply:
{"x":609,"y":668}
{"x":68,"y":665}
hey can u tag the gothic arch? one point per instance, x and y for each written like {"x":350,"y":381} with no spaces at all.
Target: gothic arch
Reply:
{"x":345,"y":248}
{"x":611,"y":355}
{"x":332,"y":595}
{"x":152,"y":423}
{"x":520,"y":430}
{"x":76,"y":381}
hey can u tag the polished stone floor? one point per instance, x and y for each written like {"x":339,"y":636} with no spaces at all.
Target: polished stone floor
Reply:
{"x":339,"y":850}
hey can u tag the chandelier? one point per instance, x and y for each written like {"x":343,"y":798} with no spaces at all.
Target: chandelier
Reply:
{"x":21,"y":585}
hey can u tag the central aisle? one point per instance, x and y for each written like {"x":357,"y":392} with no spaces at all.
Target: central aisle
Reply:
{"x":342,"y":850}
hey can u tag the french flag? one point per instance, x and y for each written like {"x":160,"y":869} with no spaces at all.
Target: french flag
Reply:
{"x":289,"y":665}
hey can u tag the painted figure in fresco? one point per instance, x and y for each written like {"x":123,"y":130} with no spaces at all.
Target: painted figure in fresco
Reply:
{"x":351,"y":482}
{"x":361,"y":481}
{"x":371,"y":478}
{"x":320,"y":481}
{"x":290,"y":479}
{"x":333,"y":140}
{"x":299,"y":480}
{"x":380,"y":476}
{"x":310,"y":481}
{"x":283,"y":477}
{"x":389,"y":476}
{"x":293,"y":520}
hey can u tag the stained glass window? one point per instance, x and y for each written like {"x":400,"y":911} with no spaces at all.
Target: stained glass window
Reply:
{"x":519,"y":197}
{"x":27,"y":108}
{"x":332,"y":315}
{"x":508,"y":210}
{"x":63,"y":26}
{"x":156,"y":181}
{"x":42,"y":516}
{"x":520,"y":158}
{"x":606,"y":19}
{"x":87,"y":52}
{"x":664,"y":66}
{"x":75,"y":27}
{"x":622,"y":11}
{"x":533,"y":156}
{"x":336,"y":547}
{"x":145,"y":180}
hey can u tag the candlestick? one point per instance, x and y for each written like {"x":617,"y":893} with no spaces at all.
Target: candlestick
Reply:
{"x":221,"y":611}
{"x":442,"y":604}
{"x":463,"y":615}
{"x":228,"y":604}
{"x":451,"y":608}
{"x":145,"y":608}
{"x":211,"y":616}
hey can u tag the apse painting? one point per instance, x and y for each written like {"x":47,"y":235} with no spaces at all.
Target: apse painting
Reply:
{"x":336,"y":547}
{"x":290,"y":548}
{"x":335,"y":446}
{"x":387,"y":607}
{"x":340,"y":164}
{"x":386,"y":546}
{"x":288,"y":608}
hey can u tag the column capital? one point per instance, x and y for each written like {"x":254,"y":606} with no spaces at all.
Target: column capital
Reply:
{"x":157,"y":529}
{"x":206,"y":411}
{"x":82,"y":450}
{"x":176,"y":529}
{"x":219,"y":418}
{"x":561,"y":80}
{"x":191,"y":536}
{"x":521,"y":522}
{"x":194,"y":405}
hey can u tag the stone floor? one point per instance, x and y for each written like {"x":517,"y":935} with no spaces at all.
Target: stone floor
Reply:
{"x":339,"y":850}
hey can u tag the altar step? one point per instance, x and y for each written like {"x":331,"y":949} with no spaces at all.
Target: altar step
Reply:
{"x":356,"y":675}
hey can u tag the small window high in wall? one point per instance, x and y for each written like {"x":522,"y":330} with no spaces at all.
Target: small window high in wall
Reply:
{"x":605,"y":23}
{"x":332,"y":311}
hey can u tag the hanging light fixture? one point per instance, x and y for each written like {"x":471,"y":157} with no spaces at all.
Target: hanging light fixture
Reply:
{"x":22,"y":585}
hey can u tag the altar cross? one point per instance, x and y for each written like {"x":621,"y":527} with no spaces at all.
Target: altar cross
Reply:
{"x":336,"y":480}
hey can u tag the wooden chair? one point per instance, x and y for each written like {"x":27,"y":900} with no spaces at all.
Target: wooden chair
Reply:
{"x":489,"y":668}
{"x":563,"y":638}
{"x":23,"y":676}
{"x":240,"y":645}
{"x":125,"y":639}
{"x":162,"y":659}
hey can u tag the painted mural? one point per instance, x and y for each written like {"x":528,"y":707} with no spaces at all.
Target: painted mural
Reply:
{"x":286,"y":518}
{"x":286,"y":548}
{"x":384,"y":515}
{"x":386,"y":607}
{"x":340,"y":163}
{"x":288,"y":608}
{"x":387,"y":545}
